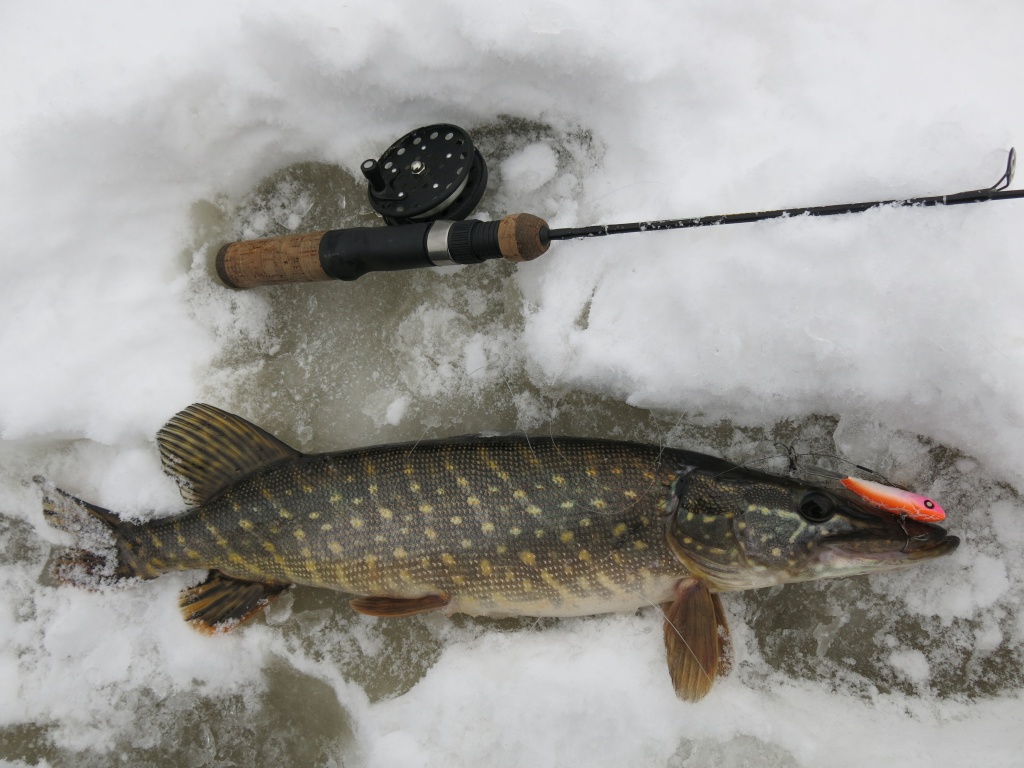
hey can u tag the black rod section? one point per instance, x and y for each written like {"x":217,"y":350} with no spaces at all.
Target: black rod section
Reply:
{"x":977,"y":196}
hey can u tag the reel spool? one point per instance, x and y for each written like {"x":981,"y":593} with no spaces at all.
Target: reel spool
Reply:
{"x":431,"y":173}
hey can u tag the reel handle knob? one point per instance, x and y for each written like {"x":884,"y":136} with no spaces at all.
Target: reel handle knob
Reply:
{"x":347,"y":254}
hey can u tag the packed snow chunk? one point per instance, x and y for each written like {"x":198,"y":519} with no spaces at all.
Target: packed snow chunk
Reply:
{"x":396,"y":410}
{"x":529,"y":169}
{"x":911,"y":664}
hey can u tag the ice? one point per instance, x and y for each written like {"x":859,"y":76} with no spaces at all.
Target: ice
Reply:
{"x":135,"y":138}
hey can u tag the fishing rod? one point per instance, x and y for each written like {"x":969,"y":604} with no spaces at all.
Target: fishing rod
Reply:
{"x":427,"y":183}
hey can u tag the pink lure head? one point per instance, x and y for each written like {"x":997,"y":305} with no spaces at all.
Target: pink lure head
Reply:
{"x":895,"y":500}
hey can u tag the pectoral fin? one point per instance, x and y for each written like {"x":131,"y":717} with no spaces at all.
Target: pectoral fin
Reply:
{"x":221,"y":602}
{"x":696,"y":636}
{"x":398,"y":606}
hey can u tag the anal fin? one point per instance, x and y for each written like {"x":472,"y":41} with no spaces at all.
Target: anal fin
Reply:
{"x":696,"y":639}
{"x":398,"y":606}
{"x":221,"y":602}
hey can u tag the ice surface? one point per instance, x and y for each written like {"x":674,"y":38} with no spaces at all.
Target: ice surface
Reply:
{"x":135,"y":138}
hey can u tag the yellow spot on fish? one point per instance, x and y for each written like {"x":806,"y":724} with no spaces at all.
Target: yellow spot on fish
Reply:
{"x":584,"y":556}
{"x":539,"y":533}
{"x":741,"y":525}
{"x":776,"y":551}
{"x":191,"y":554}
{"x":371,"y":561}
{"x":156,"y":542}
{"x":326,"y":527}
{"x":267,"y":494}
{"x":282,"y":512}
{"x":558,"y":480}
{"x":314,"y":515}
{"x":515,"y":531}
{"x":426,"y":509}
{"x":306,"y":552}
{"x":616,"y":470}
{"x":462,"y":482}
{"x":503,"y":475}
{"x":591,"y":472}
{"x":501,"y":549}
{"x":598,"y":503}
{"x":616,"y":558}
{"x":337,"y":498}
{"x":459,"y":581}
{"x":307,"y":488}
{"x":370,"y":469}
{"x":619,"y":530}
{"x":456,"y":520}
{"x":385,"y":513}
{"x":447,"y":559}
{"x":404,"y":575}
{"x":372,"y":488}
{"x":466,"y":543}
{"x":269,"y":547}
{"x":485,"y":567}
{"x":236,"y":507}
{"x":299,"y":534}
{"x":439,"y":491}
{"x":414,"y":487}
{"x":400,"y":553}
{"x":641,"y":545}
{"x":534,"y":510}
{"x":567,"y":504}
{"x":245,"y":525}
{"x":356,"y":522}
{"x":584,"y":522}
{"x":518,"y":493}
{"x":687,"y":540}
{"x":430,"y":533}
{"x":527,"y":585}
{"x":629,"y":494}
{"x":357,"y":501}
{"x":235,"y":558}
{"x":335,"y":547}
{"x":528,"y":557}
{"x":473,"y":501}
{"x":566,"y":537}
{"x":487,"y":527}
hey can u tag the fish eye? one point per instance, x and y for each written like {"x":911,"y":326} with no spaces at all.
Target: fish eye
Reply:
{"x":816,"y":507}
{"x":929,"y":504}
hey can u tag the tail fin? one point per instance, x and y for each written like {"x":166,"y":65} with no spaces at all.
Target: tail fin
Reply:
{"x":104,"y":555}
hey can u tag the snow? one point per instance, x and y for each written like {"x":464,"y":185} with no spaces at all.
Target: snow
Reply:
{"x":137,"y":137}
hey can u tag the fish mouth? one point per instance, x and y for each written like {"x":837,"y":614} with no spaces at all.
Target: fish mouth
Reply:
{"x":919,"y":550}
{"x":919,"y":541}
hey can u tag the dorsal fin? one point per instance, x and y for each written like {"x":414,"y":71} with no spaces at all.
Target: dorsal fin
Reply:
{"x":207,"y":450}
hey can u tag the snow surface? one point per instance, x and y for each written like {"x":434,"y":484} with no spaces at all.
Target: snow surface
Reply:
{"x":136,"y":137}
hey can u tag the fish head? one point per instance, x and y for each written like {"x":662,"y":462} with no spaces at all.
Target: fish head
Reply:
{"x":742,"y":530}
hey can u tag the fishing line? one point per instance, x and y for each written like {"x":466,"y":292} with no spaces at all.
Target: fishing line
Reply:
{"x":427,"y":183}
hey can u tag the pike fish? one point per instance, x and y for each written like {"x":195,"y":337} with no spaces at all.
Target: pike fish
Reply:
{"x":488,"y":526}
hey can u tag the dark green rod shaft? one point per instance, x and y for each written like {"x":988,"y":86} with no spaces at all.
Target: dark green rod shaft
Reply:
{"x":979,"y":196}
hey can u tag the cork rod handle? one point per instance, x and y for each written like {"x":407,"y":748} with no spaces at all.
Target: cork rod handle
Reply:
{"x":271,"y":261}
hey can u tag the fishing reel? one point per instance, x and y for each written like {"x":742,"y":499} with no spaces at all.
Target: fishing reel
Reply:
{"x":427,"y":183}
{"x":423,"y":186}
{"x":429,"y":174}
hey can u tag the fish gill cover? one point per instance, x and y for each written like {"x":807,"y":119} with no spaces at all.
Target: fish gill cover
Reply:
{"x":135,"y":139}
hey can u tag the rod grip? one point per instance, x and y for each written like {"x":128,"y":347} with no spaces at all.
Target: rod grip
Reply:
{"x":523,"y":237}
{"x":272,"y":261}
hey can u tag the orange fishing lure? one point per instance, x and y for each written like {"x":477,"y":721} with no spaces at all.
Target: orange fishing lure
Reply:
{"x":896,"y":500}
